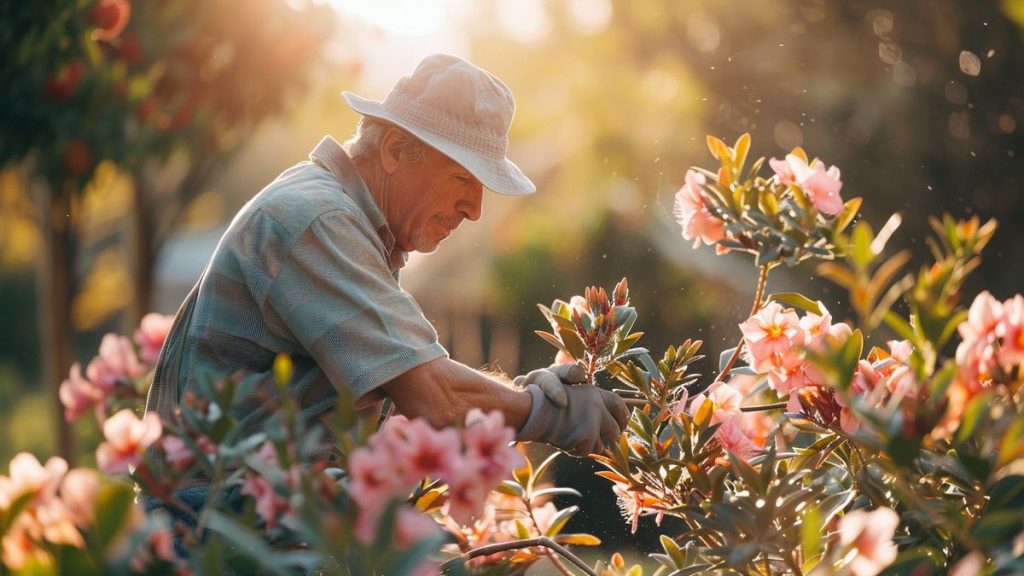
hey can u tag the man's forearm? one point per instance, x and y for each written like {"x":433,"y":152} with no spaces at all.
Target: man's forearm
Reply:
{"x":443,"y":391}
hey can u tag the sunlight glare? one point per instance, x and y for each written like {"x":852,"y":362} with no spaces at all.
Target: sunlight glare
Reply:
{"x":401,"y":17}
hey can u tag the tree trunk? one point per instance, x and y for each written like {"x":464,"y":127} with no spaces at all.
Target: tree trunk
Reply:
{"x":142,"y":255}
{"x":55,"y":310}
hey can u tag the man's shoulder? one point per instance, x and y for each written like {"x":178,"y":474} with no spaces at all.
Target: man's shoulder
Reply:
{"x":303,"y":194}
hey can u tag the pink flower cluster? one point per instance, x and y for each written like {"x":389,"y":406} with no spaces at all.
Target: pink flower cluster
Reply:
{"x":471,"y":461}
{"x":127,"y":438}
{"x":60,"y":504}
{"x":113,"y":369}
{"x":777,"y":340}
{"x":271,"y":505}
{"x":742,"y":433}
{"x":866,"y":538}
{"x":693,"y":213}
{"x":992,"y":345}
{"x":822,"y":185}
{"x":993,"y":340}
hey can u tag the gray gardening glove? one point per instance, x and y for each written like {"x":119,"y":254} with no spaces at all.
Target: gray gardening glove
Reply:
{"x":590,"y":419}
{"x":553,"y":380}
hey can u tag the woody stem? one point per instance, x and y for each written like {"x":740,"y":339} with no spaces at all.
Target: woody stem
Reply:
{"x":761,"y":281}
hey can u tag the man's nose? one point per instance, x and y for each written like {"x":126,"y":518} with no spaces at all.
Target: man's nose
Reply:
{"x":471,"y":206}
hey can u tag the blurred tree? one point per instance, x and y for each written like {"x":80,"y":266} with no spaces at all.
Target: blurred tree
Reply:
{"x":145,"y":85}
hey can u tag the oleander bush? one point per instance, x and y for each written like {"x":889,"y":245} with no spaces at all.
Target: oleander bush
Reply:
{"x":888,"y":443}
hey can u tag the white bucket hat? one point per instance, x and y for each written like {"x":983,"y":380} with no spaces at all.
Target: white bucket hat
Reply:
{"x":461,"y":110}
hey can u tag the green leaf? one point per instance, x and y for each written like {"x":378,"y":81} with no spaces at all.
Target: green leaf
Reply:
{"x":573,"y":343}
{"x":578,"y":539}
{"x":861,"y":248}
{"x":247,"y":542}
{"x":811,"y":529}
{"x":559,"y":520}
{"x":899,"y":325}
{"x":1012,"y":445}
{"x":903,"y":449}
{"x":975,"y":409}
{"x":541,"y":470}
{"x":113,"y":507}
{"x":551,"y":339}
{"x":919,"y":561}
{"x":850,"y":209}
{"x":673,"y":551}
{"x":510,"y":488}
{"x":555,"y":491}
{"x":798,"y":300}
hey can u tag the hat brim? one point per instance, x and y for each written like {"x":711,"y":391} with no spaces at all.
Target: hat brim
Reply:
{"x":501,"y":176}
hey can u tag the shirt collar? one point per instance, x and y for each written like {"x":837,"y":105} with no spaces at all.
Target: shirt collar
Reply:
{"x":332,"y":156}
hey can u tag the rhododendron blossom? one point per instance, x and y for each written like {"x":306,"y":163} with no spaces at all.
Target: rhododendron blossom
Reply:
{"x":869,"y":535}
{"x":115,"y":362}
{"x":150,"y":335}
{"x":471,"y":462}
{"x":769,"y":334}
{"x":128,"y":437}
{"x":822,"y":185}
{"x":78,"y":394}
{"x":692,"y":213}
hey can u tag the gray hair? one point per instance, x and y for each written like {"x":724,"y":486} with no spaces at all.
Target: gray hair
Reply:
{"x":369,"y":132}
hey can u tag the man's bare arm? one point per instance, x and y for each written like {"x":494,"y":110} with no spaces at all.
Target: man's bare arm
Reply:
{"x":443,"y":391}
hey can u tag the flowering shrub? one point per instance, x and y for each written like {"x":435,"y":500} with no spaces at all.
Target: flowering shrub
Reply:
{"x":386,"y":505}
{"x":806,"y":454}
{"x":873,"y":445}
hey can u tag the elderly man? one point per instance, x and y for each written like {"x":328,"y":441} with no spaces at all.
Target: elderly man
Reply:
{"x":310,"y":266}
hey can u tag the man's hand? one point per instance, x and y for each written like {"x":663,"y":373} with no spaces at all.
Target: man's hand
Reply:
{"x":590,"y":419}
{"x":553,"y":380}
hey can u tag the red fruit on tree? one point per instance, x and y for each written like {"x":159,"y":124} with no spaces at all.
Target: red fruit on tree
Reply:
{"x":61,"y":85}
{"x":110,"y":18}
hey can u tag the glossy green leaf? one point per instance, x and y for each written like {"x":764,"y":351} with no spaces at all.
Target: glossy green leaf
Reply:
{"x":797,"y":300}
{"x":559,"y":519}
{"x":555,"y":491}
{"x":673,"y":551}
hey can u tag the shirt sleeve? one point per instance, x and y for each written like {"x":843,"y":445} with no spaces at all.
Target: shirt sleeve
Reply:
{"x":336,"y":295}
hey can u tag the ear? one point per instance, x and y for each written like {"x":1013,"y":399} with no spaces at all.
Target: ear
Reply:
{"x":391,"y":149}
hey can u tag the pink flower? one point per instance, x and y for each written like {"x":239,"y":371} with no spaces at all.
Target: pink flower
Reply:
{"x":44,"y":517}
{"x":269,"y":504}
{"x":982,"y":317}
{"x":150,"y":335}
{"x":870,"y":535}
{"x":78,"y":395}
{"x":417,"y":449}
{"x":726,"y":401}
{"x":489,"y":444}
{"x":970,"y":565}
{"x":27,"y":475}
{"x":128,"y":437}
{"x":770,"y":332}
{"x":783,"y":171}
{"x":693,"y":214}
{"x":79,"y":491}
{"x":1010,"y":331}
{"x":116,"y":362}
{"x":466,"y":495}
{"x":791,"y":372}
{"x":179,"y":455}
{"x":733,"y":438}
{"x":412,"y":526}
{"x":821,"y":185}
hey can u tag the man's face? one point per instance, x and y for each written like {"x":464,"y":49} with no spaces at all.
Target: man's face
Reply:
{"x":431,"y":197}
